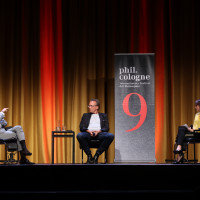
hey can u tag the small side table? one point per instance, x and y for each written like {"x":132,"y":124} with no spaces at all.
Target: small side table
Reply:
{"x":65,"y":134}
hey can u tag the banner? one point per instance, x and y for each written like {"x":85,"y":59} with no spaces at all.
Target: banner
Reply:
{"x":134,"y":108}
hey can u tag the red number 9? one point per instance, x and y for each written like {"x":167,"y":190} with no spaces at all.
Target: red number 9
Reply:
{"x":142,"y":113}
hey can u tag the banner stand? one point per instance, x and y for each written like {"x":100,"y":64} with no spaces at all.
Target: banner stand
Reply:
{"x":134,"y":107}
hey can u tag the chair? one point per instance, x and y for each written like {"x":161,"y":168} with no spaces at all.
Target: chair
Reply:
{"x":11,"y":148}
{"x":94,"y":144}
{"x":190,"y":138}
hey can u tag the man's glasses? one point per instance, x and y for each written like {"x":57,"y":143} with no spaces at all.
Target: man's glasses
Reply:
{"x":91,"y":106}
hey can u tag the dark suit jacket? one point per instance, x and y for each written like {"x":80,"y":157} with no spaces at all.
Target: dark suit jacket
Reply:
{"x":86,"y":120}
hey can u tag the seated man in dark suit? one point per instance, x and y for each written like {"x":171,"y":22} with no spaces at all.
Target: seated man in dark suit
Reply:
{"x":94,"y":125}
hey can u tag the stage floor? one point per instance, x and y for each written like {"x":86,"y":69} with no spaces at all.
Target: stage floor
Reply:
{"x":100,"y":181}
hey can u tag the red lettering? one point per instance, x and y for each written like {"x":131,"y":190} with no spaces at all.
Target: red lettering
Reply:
{"x":142,"y":113}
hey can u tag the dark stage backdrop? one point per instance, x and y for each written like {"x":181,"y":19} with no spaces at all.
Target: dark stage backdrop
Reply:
{"x":56,"y":55}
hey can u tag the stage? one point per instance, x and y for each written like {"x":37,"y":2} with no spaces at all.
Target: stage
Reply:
{"x":100,"y":181}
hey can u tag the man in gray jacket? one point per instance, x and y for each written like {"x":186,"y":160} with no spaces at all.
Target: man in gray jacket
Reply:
{"x":14,"y":132}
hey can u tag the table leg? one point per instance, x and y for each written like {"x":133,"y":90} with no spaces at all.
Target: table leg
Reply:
{"x":52,"y":148}
{"x":73,"y":148}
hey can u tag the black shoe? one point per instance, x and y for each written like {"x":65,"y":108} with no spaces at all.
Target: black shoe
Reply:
{"x":26,"y":152}
{"x":179,"y":159}
{"x":96,"y":157}
{"x":89,"y":159}
{"x":26,"y":161}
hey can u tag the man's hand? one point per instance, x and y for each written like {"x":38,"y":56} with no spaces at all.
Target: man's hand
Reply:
{"x":90,"y":132}
{"x":4,"y":110}
{"x":96,"y":132}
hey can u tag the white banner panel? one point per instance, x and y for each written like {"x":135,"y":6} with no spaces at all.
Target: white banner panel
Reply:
{"x":134,"y":108}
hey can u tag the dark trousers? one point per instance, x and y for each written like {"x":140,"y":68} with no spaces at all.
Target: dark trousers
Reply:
{"x":104,"y":137}
{"x":182,"y":130}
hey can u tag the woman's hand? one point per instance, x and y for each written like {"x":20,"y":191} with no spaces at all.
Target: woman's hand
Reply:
{"x":190,"y":129}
